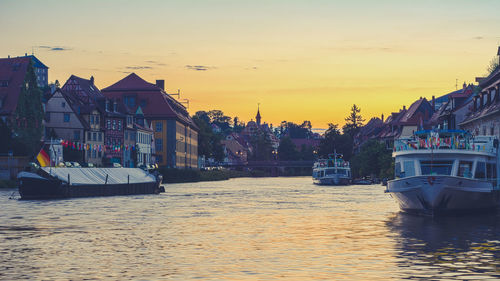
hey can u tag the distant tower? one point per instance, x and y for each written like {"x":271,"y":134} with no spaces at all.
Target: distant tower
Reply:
{"x":257,"y":117}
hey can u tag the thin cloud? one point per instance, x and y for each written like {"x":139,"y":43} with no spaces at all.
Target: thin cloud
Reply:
{"x":478,"y":37}
{"x":156,"y":63}
{"x":199,"y":67}
{"x":138,"y":67}
{"x":51,"y":48}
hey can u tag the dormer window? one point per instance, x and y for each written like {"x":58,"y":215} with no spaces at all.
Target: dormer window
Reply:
{"x":63,"y":104}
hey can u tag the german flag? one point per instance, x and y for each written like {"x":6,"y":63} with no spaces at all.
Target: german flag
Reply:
{"x":43,"y":158}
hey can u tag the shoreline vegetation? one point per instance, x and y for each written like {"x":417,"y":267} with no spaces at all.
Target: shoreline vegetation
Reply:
{"x":171,"y":175}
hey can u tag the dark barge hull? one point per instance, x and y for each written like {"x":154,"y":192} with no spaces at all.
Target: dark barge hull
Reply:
{"x":50,"y":188}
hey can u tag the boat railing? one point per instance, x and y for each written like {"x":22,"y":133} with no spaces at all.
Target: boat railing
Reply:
{"x":479,"y":144}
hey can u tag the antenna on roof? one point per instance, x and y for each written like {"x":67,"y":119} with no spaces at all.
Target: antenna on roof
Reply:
{"x":456,"y":84}
{"x":32,"y":50}
{"x":185,"y":101}
{"x":178,"y":94}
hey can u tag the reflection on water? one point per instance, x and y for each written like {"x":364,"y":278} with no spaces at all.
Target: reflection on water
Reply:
{"x":241,"y":229}
{"x":464,"y":248}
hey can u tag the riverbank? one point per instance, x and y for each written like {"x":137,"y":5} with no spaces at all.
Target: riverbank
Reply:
{"x":183,"y":175}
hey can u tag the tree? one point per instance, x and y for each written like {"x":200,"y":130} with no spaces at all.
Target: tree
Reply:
{"x":26,"y":123}
{"x":238,"y":126}
{"x":334,"y":141}
{"x":287,"y":150}
{"x":218,"y":118}
{"x":353,"y":122}
{"x":262,"y":147}
{"x":373,"y":160}
{"x":493,"y":65}
{"x":296,"y":131}
{"x":209,"y":143}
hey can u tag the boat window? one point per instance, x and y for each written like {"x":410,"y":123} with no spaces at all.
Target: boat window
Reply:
{"x":436,"y":167}
{"x":491,"y":170}
{"x":330,"y":171}
{"x":480,"y":170}
{"x":409,"y":169}
{"x":397,"y":170}
{"x":465,"y":169}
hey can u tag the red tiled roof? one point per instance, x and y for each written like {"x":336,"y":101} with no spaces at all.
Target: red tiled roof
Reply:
{"x":132,"y":83}
{"x":12,"y":74}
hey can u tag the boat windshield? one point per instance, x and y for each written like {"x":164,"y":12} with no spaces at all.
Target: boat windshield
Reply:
{"x":436,"y":167}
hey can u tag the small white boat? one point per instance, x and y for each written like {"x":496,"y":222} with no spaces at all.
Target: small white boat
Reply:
{"x":332,"y":171}
{"x":445,"y":172}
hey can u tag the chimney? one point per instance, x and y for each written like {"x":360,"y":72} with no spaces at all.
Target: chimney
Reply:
{"x":474,"y":101}
{"x":160,"y":84}
{"x":92,"y":80}
{"x":382,"y":117}
{"x":8,"y":56}
{"x":404,"y":107}
{"x":464,"y":85}
{"x":433,"y":103}
{"x":25,"y":54}
{"x":107,"y":105}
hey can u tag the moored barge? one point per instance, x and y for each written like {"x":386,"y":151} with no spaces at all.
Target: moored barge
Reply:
{"x":55,"y":182}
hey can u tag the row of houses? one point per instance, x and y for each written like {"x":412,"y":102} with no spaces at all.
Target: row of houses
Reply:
{"x":130,"y":122}
{"x":474,"y":107}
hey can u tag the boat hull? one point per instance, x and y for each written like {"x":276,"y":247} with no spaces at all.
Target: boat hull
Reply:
{"x":435,"y":195}
{"x":41,"y":188}
{"x":331,"y":181}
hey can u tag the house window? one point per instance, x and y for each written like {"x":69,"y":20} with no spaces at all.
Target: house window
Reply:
{"x":89,"y":135}
{"x":108,"y":125}
{"x":66,"y":117}
{"x":119,"y":125}
{"x":100,"y":136}
{"x":94,"y":136}
{"x":63,"y":104}
{"x":97,"y":119}
{"x":114,"y":125}
{"x":159,"y":158}
{"x":159,"y":126}
{"x":76,"y":135}
{"x":91,"y":119}
{"x":159,"y":144}
{"x":126,"y":135}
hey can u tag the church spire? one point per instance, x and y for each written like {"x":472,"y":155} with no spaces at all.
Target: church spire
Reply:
{"x":257,"y":118}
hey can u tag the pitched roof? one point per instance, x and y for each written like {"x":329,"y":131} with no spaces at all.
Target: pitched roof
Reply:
{"x":12,"y":75}
{"x":37,"y":63}
{"x":132,"y":83}
{"x":84,"y":89}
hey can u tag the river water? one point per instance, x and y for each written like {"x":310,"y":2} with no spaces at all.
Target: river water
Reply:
{"x":242,"y":229}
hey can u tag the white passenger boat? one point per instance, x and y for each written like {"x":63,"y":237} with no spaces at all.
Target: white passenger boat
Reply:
{"x":332,"y":171}
{"x":445,"y":172}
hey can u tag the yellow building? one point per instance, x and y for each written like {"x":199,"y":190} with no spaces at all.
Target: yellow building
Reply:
{"x":175,"y":134}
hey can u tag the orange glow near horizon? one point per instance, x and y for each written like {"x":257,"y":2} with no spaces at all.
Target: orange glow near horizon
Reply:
{"x":301,"y":60}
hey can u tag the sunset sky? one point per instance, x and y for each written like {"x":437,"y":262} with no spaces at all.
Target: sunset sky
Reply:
{"x":301,"y":60}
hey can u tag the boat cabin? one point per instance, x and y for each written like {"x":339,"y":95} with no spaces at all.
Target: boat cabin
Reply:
{"x":447,"y":153}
